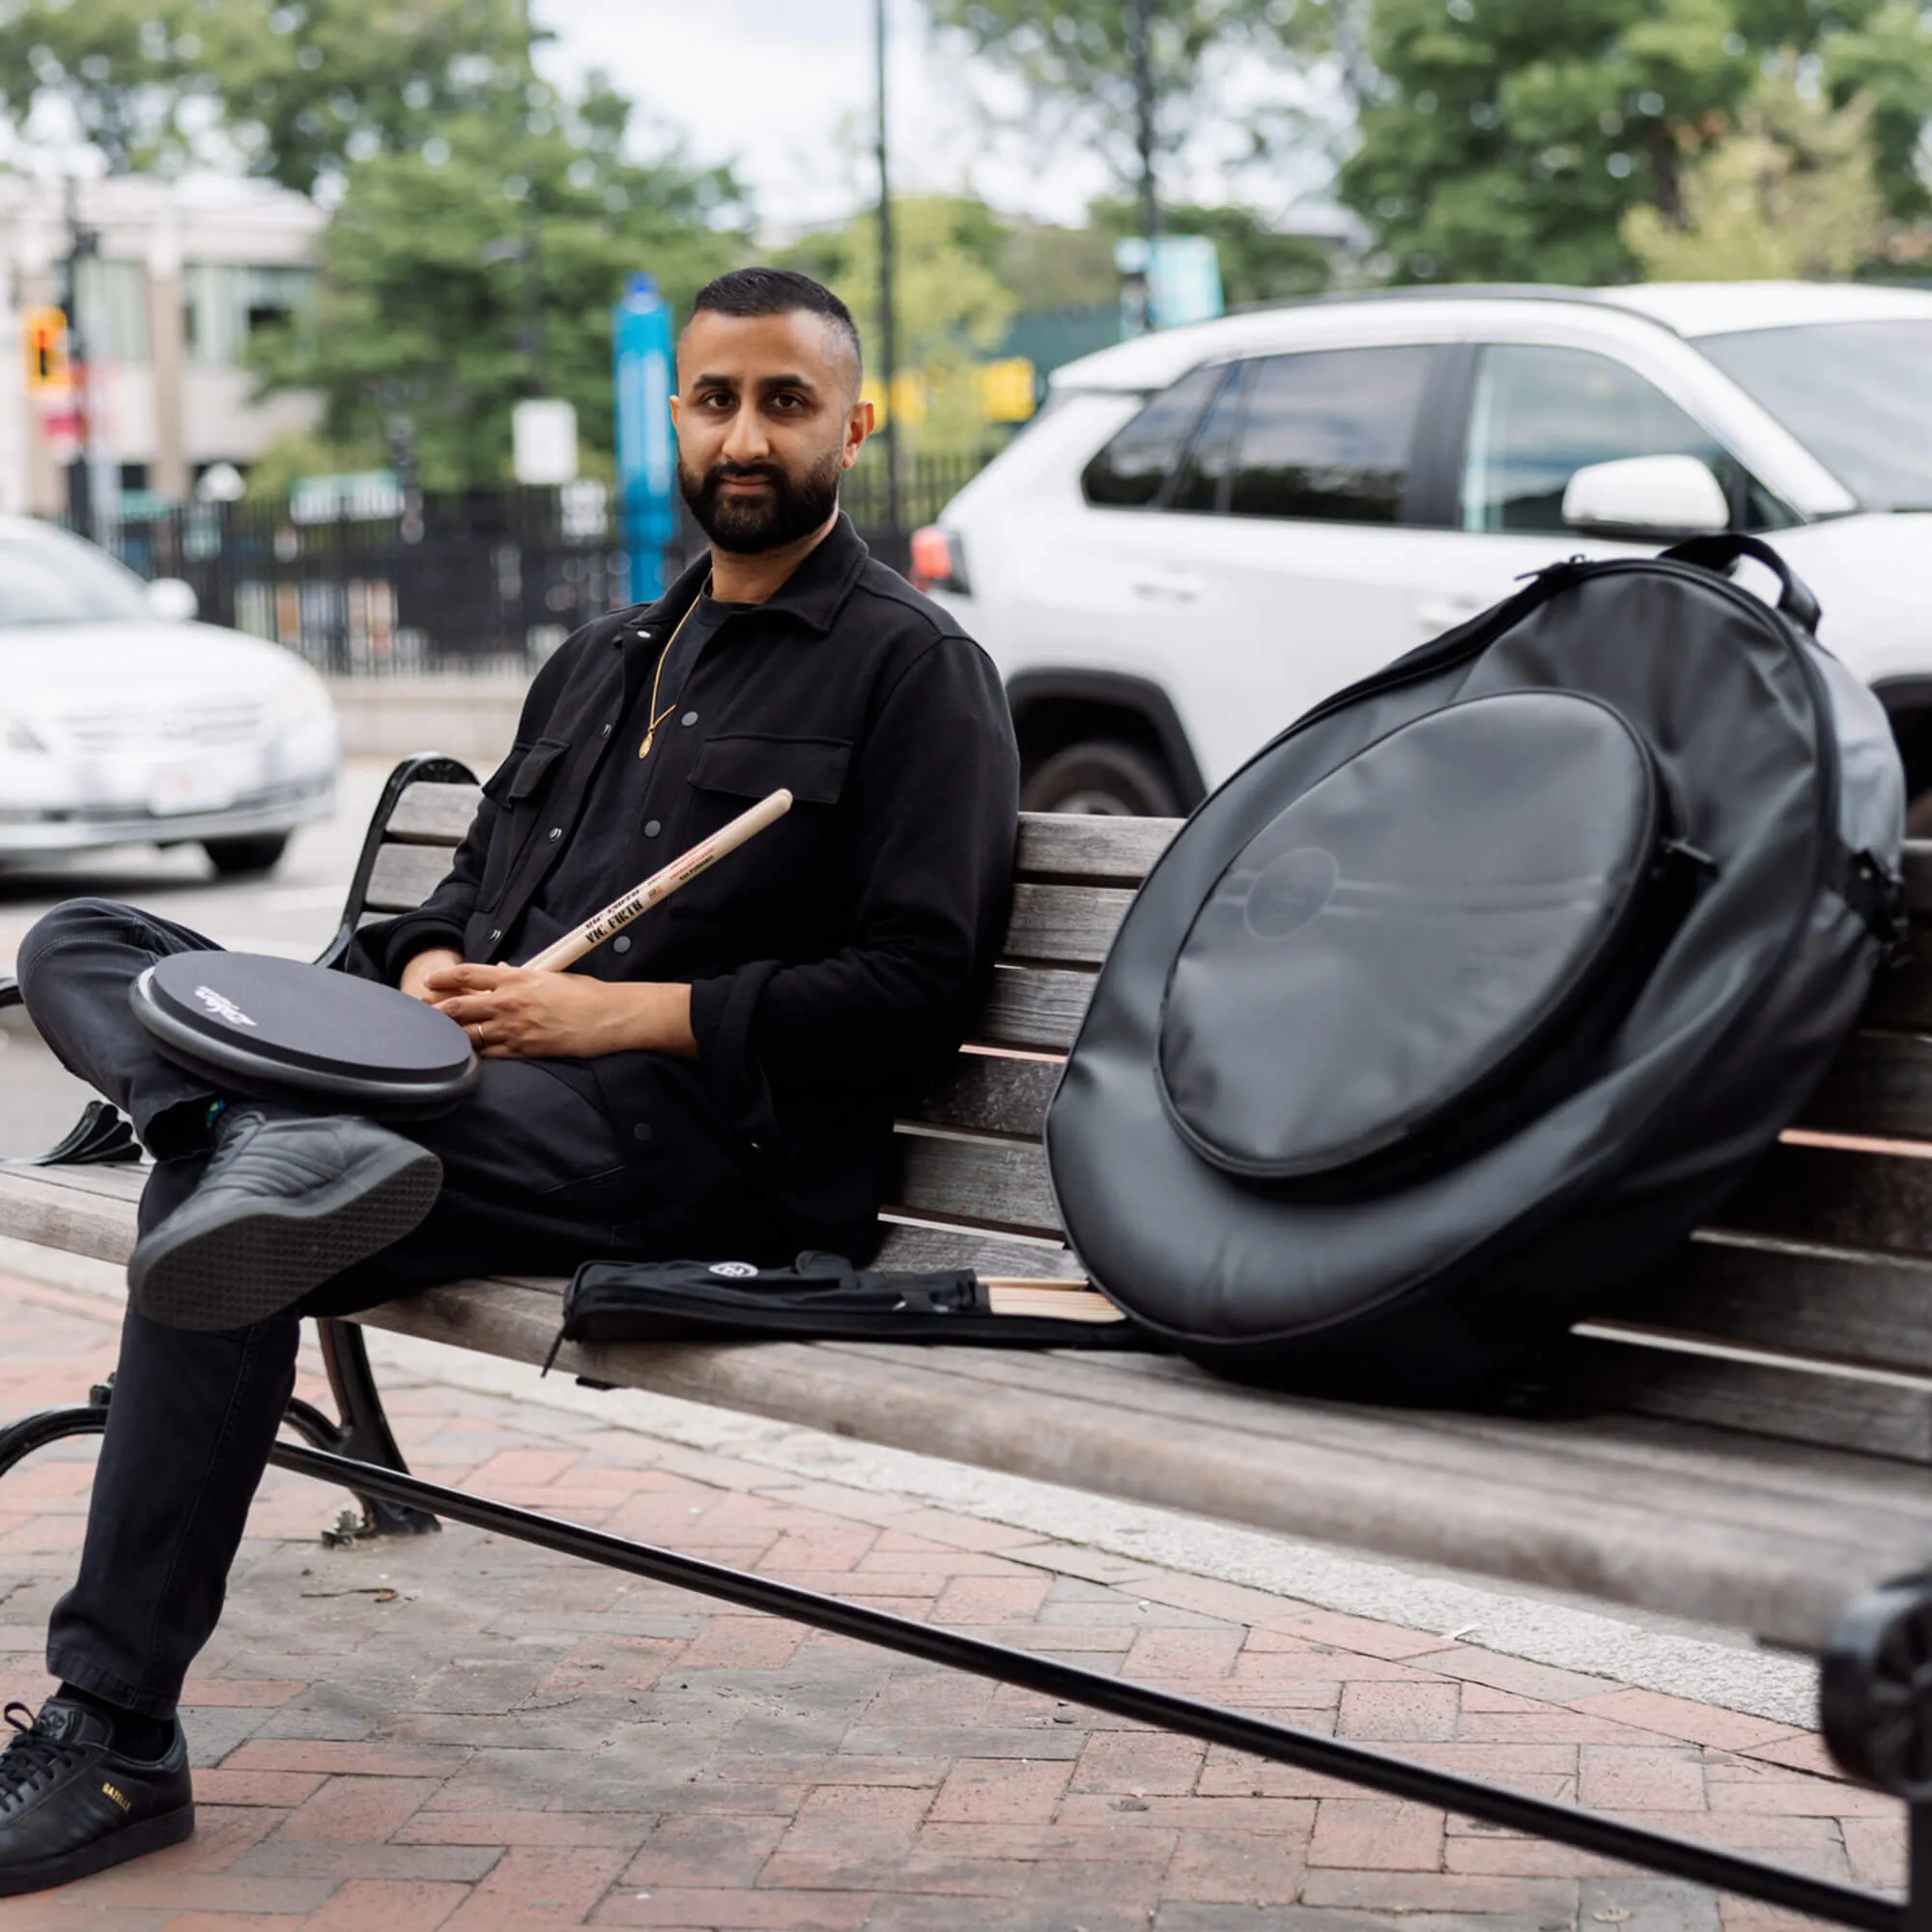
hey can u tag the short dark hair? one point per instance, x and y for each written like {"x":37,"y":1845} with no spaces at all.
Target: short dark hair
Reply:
{"x":762,"y":291}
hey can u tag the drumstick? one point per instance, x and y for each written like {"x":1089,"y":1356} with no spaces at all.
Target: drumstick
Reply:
{"x":1082,"y":1305}
{"x":681,"y":871}
{"x":1062,"y":1300}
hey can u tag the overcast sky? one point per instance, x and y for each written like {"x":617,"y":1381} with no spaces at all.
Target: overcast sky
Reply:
{"x":784,"y":88}
{"x":784,"y":91}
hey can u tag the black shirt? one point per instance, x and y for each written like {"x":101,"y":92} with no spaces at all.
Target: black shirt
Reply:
{"x":834,"y":956}
{"x":588,"y":875}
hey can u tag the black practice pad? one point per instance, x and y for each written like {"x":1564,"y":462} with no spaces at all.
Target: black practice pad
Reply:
{"x":1407,"y":933}
{"x":279,"y":1029}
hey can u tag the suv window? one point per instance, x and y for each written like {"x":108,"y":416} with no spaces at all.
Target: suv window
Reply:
{"x":1327,"y":434}
{"x":1201,"y":481}
{"x":1541,"y":414}
{"x":1128,"y":472}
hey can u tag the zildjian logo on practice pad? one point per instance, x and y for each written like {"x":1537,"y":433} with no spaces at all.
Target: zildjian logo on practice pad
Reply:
{"x":222,"y":1006}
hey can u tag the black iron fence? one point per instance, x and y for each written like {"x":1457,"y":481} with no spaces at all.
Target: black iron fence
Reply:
{"x":481,"y":581}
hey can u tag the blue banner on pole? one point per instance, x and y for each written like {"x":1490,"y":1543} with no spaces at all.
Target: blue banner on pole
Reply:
{"x":640,"y":338}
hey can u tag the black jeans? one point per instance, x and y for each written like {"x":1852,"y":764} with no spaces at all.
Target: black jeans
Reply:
{"x":534,"y":1181}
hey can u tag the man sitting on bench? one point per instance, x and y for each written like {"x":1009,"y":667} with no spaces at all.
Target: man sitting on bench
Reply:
{"x":717,"y":1081}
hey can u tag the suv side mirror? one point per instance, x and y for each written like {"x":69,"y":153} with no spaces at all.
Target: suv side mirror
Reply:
{"x":1646,"y":496}
{"x":172,"y":600}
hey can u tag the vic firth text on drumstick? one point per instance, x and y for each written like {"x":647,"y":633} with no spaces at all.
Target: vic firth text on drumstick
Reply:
{"x":572,"y":945}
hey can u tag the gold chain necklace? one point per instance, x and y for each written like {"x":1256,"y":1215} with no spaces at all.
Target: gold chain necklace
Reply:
{"x":658,"y":716}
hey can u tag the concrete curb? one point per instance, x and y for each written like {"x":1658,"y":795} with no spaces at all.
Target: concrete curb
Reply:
{"x":473,"y":719}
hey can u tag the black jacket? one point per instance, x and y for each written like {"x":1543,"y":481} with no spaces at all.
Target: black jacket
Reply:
{"x":837,"y":955}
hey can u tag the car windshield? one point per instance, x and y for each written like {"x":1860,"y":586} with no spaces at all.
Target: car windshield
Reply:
{"x":1856,"y":394}
{"x":53,"y":578}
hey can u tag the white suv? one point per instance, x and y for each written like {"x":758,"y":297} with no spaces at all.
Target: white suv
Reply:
{"x":1207,"y":531}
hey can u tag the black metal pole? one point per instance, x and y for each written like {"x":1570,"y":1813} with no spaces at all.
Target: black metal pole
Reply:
{"x":80,"y":244}
{"x":536,"y":350}
{"x":536,"y":346}
{"x":1141,"y":28}
{"x":888,"y":348}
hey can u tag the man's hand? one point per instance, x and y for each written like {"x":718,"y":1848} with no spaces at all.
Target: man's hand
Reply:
{"x":415,"y":975}
{"x":512,"y":1014}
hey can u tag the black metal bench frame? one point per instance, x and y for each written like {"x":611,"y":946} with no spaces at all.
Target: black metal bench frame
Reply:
{"x":1876,"y":1674}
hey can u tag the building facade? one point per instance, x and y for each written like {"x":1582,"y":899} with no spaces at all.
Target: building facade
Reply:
{"x":180,"y":275}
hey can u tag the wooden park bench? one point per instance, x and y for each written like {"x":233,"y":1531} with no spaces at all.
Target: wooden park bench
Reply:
{"x":1756,"y":1452}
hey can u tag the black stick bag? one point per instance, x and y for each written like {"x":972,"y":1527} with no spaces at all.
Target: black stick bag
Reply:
{"x":822,"y":1297}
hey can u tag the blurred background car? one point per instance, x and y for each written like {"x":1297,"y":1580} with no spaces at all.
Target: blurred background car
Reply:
{"x":1209,"y":530}
{"x":122,"y":720}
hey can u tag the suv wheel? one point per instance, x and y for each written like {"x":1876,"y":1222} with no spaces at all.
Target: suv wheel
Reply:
{"x":235,"y":858}
{"x":1101,"y":779}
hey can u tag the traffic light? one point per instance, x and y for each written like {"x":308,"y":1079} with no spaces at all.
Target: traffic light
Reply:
{"x":45,"y":334}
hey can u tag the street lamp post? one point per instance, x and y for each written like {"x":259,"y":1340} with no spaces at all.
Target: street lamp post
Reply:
{"x":81,"y":243}
{"x":887,"y":347}
{"x":1140,"y":28}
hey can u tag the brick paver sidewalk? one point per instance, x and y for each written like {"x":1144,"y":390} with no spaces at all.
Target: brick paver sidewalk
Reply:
{"x":460,"y":1733}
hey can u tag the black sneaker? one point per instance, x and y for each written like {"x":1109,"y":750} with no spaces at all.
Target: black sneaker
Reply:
{"x":288,"y":1202}
{"x":70,"y":1805}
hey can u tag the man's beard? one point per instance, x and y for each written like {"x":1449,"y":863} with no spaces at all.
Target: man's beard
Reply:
{"x":794,"y":507}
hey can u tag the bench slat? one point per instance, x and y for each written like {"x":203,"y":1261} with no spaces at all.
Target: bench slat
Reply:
{"x":919,"y":1248}
{"x":1035,"y":1009}
{"x":1831,"y":1198}
{"x":985,"y":1183}
{"x":1919,"y":876}
{"x":1093,"y":851}
{"x":987,"y":1093}
{"x":1902,"y":999}
{"x":92,"y":1217}
{"x":405,"y":875}
{"x":1064,"y":924}
{"x":1058,"y":923}
{"x":1564,"y":1462}
{"x":1116,"y":851}
{"x":1842,"y":1412}
{"x":1359,"y":1478}
{"x":1873,"y":1312}
{"x":1880,"y":1083}
{"x":434,"y":814}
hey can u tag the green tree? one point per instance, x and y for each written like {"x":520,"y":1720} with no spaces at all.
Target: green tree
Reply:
{"x":1789,"y":193}
{"x":951,"y":304}
{"x":1509,"y":139}
{"x":1074,"y":60}
{"x":292,"y":89}
{"x":1259,"y":264}
{"x":1053,"y":269}
{"x":1888,"y":60}
{"x":421,"y":311}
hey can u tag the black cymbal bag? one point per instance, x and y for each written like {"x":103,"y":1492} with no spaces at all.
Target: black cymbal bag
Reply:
{"x":1485,"y":982}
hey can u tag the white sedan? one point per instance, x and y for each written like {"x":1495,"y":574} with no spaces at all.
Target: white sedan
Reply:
{"x":124,"y":722}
